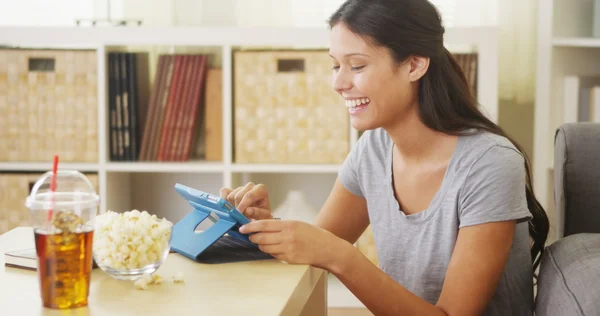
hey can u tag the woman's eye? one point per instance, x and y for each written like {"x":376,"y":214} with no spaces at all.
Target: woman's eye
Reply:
{"x":357,"y":68}
{"x":335,"y":67}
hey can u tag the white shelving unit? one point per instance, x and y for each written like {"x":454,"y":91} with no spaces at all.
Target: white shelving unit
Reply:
{"x":149,"y":185}
{"x":565,"y":47}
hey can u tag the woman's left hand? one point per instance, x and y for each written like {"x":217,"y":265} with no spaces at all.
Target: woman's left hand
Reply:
{"x":296,"y":242}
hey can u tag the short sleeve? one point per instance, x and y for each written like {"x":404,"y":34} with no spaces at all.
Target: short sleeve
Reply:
{"x":494,"y":189}
{"x":348,"y":173}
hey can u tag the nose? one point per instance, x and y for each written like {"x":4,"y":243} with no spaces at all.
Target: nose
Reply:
{"x":342,"y":80}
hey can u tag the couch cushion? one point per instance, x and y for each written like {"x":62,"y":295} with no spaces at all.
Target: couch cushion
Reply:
{"x":576,"y":178}
{"x":569,"y":278}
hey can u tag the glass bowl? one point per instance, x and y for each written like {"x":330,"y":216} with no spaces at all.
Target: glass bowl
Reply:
{"x":129,"y":245}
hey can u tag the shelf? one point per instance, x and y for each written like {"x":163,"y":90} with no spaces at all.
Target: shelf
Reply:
{"x":162,"y":167}
{"x":86,"y":37}
{"x":286,"y":168}
{"x":43,"y":166}
{"x":576,"y":42}
{"x":151,"y":35}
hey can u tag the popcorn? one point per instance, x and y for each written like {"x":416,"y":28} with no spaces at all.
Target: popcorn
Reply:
{"x":141,"y":284}
{"x":130,"y":240}
{"x":178,"y":278}
{"x":157,"y":279}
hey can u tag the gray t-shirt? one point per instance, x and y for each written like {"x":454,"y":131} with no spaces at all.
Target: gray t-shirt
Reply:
{"x":484,"y":182}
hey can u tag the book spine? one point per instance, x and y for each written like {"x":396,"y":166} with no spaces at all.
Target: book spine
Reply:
{"x":126,"y":105}
{"x":213,"y":119}
{"x":119,"y":108}
{"x":164,"y":96}
{"x":174,"y":93}
{"x":184,"y":109}
{"x":152,"y":108}
{"x":192,"y":117}
{"x":595,"y":104}
{"x":133,"y":106}
{"x":112,"y":108}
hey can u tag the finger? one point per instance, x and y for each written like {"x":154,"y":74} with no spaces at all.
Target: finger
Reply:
{"x":255,"y":195}
{"x":258,"y":213}
{"x":274,"y":250}
{"x":265,"y":225}
{"x":266,"y":238}
{"x":231,"y":195}
{"x":224,"y":192}
{"x":239,"y":195}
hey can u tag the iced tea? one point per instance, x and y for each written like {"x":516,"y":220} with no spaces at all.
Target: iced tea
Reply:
{"x":64,"y":266}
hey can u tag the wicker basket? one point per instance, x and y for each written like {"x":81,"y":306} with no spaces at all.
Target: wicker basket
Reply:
{"x":14,"y":189}
{"x":48,"y":105}
{"x":285,"y":110}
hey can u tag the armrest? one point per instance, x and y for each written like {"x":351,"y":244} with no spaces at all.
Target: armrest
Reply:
{"x":577,"y":178}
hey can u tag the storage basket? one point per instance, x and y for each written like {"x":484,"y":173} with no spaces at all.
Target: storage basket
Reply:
{"x":48,"y":105}
{"x":285,"y":110}
{"x":14,"y":189}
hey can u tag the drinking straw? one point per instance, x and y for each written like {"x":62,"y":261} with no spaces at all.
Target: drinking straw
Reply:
{"x":53,"y":185}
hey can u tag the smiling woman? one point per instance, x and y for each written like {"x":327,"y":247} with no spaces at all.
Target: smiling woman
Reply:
{"x":446,"y":192}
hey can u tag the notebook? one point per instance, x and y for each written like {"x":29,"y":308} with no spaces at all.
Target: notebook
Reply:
{"x":25,"y":259}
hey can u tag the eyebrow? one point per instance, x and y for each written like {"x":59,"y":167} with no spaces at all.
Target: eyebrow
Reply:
{"x":352,"y":54}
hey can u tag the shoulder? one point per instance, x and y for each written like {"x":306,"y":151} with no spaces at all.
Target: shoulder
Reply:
{"x":485,"y":149}
{"x":493,"y":180}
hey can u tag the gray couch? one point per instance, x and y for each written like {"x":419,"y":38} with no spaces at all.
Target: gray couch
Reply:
{"x":569,"y":276}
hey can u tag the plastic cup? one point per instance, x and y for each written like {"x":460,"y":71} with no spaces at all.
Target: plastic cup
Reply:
{"x":63,"y":224}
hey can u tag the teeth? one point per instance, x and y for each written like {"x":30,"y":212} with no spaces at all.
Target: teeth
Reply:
{"x":357,"y":102}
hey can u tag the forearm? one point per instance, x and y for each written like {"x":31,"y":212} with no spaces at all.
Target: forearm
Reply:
{"x":380,"y":293}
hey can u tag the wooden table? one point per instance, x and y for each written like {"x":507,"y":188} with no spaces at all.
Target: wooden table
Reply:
{"x":267,"y":287}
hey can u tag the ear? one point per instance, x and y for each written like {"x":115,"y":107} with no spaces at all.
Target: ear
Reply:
{"x":418,"y":67}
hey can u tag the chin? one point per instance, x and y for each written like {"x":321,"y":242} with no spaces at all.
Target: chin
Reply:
{"x":361,"y":125}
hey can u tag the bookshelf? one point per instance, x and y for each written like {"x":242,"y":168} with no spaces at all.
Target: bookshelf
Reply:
{"x":149,"y":185}
{"x":566,"y":47}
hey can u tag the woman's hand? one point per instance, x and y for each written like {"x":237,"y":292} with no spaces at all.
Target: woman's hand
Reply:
{"x":252,"y":200}
{"x":298,"y":242}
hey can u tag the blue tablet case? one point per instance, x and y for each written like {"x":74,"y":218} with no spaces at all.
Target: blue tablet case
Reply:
{"x":221,"y":242}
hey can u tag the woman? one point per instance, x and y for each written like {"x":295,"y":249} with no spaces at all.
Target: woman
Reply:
{"x":447,"y":193}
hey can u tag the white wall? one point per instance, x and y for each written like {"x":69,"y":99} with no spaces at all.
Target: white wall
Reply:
{"x":218,"y":12}
{"x":44,"y":12}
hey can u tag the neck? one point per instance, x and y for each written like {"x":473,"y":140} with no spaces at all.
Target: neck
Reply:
{"x":416,"y":143}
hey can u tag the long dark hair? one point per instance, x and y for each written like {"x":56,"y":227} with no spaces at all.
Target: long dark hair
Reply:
{"x":446,"y":103}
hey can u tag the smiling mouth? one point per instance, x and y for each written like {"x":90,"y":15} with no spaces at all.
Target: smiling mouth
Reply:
{"x":357,"y":104}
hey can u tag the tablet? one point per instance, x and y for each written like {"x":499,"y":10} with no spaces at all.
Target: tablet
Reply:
{"x":221,"y":242}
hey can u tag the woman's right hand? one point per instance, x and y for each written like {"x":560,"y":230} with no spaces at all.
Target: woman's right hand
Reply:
{"x":252,"y":200}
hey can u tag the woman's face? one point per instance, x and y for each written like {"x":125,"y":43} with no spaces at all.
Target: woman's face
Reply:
{"x":379,"y":92}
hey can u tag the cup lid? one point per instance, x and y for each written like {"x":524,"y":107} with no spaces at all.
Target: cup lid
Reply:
{"x":73,"y":190}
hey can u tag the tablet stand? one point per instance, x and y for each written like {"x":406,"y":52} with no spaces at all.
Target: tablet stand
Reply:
{"x":220,"y":243}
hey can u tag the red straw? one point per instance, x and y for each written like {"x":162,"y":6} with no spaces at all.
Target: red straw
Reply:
{"x":53,"y":184}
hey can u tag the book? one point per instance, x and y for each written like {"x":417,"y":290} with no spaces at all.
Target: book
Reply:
{"x":25,"y":259}
{"x":594,"y":104}
{"x":596,"y":19}
{"x":194,"y":104}
{"x":576,"y":97}
{"x":213,"y":119}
